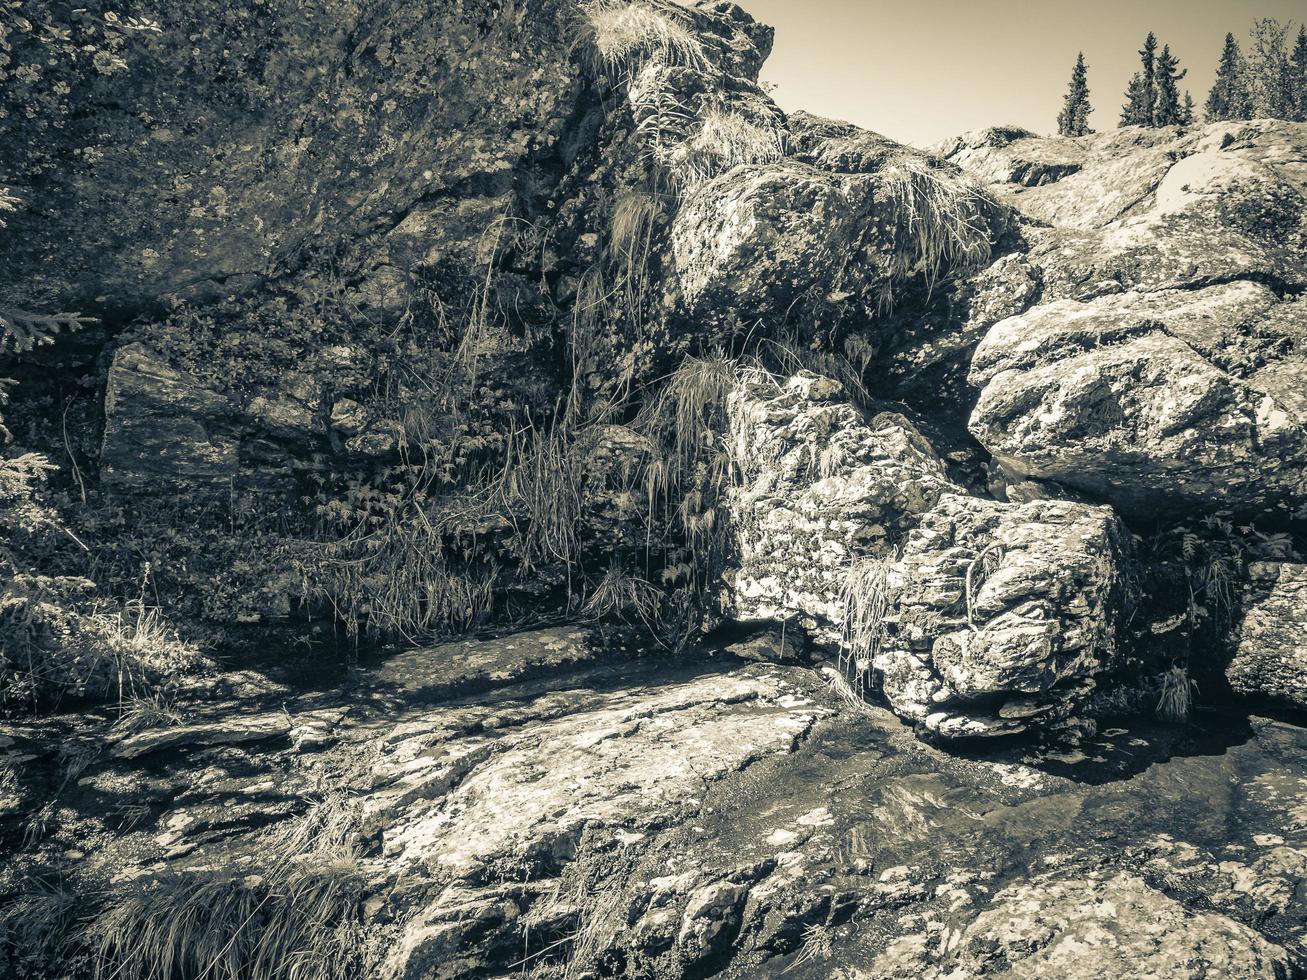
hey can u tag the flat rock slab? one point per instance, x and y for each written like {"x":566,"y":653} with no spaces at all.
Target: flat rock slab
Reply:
{"x":453,"y":668}
{"x":227,"y":731}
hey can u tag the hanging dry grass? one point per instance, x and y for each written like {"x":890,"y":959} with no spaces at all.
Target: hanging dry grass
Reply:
{"x":866,"y":604}
{"x":625,"y":36}
{"x":939,"y":221}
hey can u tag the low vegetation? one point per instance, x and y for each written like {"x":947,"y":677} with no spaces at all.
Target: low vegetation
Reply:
{"x":625,"y":35}
{"x":938,"y":222}
{"x":866,"y":604}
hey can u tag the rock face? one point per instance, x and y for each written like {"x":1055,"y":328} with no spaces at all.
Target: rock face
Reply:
{"x":680,"y":819}
{"x":1270,"y":657}
{"x":192,"y":202}
{"x":1178,"y":397}
{"x":1164,"y":365}
{"x":820,"y":487}
{"x":162,"y":421}
{"x":1002,"y":614}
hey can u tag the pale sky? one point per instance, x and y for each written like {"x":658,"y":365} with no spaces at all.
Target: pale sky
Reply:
{"x":926,"y":70}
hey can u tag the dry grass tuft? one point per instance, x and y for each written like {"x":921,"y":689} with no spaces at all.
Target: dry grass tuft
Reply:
{"x":866,"y":604}
{"x":939,"y":221}
{"x":138,"y":714}
{"x":625,"y":597}
{"x":1175,"y":695}
{"x":292,"y":923}
{"x":725,"y":139}
{"x":626,"y":36}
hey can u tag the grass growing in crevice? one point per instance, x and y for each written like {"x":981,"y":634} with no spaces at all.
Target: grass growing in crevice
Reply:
{"x":724,"y":139}
{"x":939,"y":222}
{"x":866,"y":604}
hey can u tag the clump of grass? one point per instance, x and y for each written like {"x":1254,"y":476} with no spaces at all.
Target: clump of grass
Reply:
{"x":1175,"y":694}
{"x":938,"y":221}
{"x":866,"y":604}
{"x":138,"y":714}
{"x":54,"y":644}
{"x":301,"y":921}
{"x":725,"y":139}
{"x":689,"y":412}
{"x":626,"y":36}
{"x":623,"y":596}
{"x":817,"y":943}
{"x":34,"y":926}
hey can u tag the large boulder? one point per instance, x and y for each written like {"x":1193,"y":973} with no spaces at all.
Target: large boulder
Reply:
{"x":1188,"y":397}
{"x":1001,"y":615}
{"x":832,"y":231}
{"x":820,"y":486}
{"x":1151,"y":209}
{"x":1270,"y":656}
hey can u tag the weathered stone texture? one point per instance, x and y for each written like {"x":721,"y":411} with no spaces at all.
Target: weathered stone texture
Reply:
{"x":1270,"y":656}
{"x":1002,"y":614}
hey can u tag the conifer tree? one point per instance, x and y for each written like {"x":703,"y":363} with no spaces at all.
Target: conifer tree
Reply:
{"x":1298,"y":63}
{"x":1187,"y":110}
{"x":1073,"y":120}
{"x":1167,"y":110}
{"x":1140,"y":96}
{"x":1228,"y":98}
{"x":1132,"y":111}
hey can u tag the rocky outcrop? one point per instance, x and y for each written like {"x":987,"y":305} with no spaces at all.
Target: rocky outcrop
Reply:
{"x":819,"y":487}
{"x":1270,"y":654}
{"x":1165,"y":361}
{"x":760,"y":242}
{"x":1001,"y":615}
{"x":1178,"y":397}
{"x":166,"y":428}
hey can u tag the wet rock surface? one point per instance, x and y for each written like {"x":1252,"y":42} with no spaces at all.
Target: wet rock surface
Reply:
{"x":693,"y":817}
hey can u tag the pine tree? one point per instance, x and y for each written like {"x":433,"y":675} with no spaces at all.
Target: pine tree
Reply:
{"x":1298,"y":62}
{"x":1187,"y":110}
{"x":1167,"y":110}
{"x":1073,"y":120}
{"x":1140,"y":96}
{"x":1228,"y":98}
{"x":1132,"y":111}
